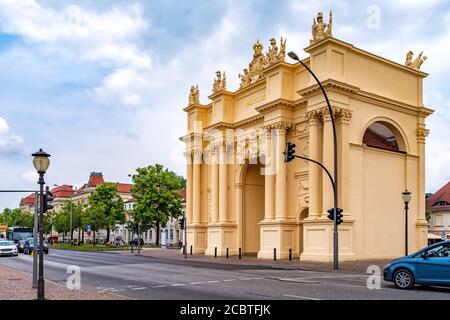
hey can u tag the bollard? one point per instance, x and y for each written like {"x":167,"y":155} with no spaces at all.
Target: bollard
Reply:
{"x":290,"y":254}
{"x":191,"y":250}
{"x":240,"y":253}
{"x":227,"y":253}
{"x":215,"y":252}
{"x":274,"y":254}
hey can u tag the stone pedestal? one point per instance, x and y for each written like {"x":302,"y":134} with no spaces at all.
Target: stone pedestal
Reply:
{"x":279,"y":235}
{"x":196,"y":237}
{"x":222,"y":236}
{"x":318,"y":241}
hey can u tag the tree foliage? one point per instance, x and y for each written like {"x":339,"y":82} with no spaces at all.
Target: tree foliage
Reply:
{"x":155,"y":190}
{"x":17,"y":218}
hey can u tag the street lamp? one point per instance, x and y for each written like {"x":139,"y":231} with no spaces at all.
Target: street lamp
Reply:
{"x":334,"y":181}
{"x":41,"y":163}
{"x":406,"y":196}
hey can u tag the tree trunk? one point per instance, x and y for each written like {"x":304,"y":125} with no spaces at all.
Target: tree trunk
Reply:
{"x":79,"y":234}
{"x":94,"y":236}
{"x":71,"y":236}
{"x":64,"y":236}
{"x":157,"y":234}
{"x":108,"y":233}
{"x":82,"y":235}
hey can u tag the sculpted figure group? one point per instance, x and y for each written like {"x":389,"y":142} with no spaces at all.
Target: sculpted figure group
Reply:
{"x":417,"y":63}
{"x":262,"y":61}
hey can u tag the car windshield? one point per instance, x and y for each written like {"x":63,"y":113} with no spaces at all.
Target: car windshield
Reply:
{"x":6,"y":243}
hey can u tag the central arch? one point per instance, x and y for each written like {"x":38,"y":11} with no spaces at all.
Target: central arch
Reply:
{"x":253,"y":208}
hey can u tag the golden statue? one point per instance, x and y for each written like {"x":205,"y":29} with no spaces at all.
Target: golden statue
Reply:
{"x":220,"y":82}
{"x":417,"y":63}
{"x":194,"y":95}
{"x":321,"y":30}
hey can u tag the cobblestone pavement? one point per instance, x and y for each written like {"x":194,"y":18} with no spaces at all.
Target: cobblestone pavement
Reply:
{"x":359,"y":267}
{"x":17,"y":285}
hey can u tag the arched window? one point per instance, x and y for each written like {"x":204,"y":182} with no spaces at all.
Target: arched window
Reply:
{"x":383,"y":136}
{"x":441,"y":204}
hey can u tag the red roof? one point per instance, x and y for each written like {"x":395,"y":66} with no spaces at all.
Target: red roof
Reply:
{"x":28,"y":200}
{"x":182,"y":193}
{"x":95,"y":179}
{"x":442,"y":195}
{"x":63,"y":191}
{"x":123,"y":187}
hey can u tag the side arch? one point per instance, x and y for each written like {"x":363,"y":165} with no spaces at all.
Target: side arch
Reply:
{"x":396,"y":129}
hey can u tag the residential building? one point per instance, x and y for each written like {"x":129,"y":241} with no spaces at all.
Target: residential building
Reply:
{"x":438,"y":205}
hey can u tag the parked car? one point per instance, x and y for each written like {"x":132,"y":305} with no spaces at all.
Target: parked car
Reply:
{"x":20,"y":245}
{"x":28,"y":247}
{"x":134,"y":242}
{"x":429,"y":266}
{"x":8,"y":248}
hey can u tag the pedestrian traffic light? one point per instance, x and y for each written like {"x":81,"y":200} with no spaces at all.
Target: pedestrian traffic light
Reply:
{"x":181,"y":222}
{"x":289,"y":153}
{"x":48,"y":197}
{"x":338,"y":215}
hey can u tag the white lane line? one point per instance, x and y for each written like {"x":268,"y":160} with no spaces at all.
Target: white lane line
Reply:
{"x":159,"y":286}
{"x":178,"y":284}
{"x":299,"y":297}
{"x":141,"y":288}
{"x":212,"y":281}
{"x":229,"y":280}
{"x":197,"y":282}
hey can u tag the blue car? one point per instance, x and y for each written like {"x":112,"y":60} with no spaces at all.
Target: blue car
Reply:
{"x":429,"y":266}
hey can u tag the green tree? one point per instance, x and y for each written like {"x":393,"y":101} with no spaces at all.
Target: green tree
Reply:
{"x":157,"y":199}
{"x":105,"y":208}
{"x":17,"y":218}
{"x":61,"y":222}
{"x":75,"y":211}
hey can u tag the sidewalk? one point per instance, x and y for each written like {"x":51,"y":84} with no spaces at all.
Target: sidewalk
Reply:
{"x":358,"y":267}
{"x":16,"y":285}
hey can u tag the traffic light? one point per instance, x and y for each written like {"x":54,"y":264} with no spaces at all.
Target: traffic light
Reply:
{"x":338,"y":215}
{"x":181,"y":222}
{"x":289,"y":152}
{"x":48,"y":197}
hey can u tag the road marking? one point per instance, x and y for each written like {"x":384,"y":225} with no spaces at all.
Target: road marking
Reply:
{"x":229,"y":280}
{"x":212,"y":281}
{"x":197,"y":282}
{"x":141,"y":288}
{"x":299,"y":297}
{"x":178,"y":284}
{"x":159,"y":286}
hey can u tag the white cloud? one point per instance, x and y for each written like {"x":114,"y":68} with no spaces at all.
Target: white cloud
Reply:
{"x":110,"y":38}
{"x":29,"y":176}
{"x":8,"y":140}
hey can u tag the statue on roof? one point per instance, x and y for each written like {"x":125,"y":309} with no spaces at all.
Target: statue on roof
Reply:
{"x":417,"y":63}
{"x":321,"y":30}
{"x":194,"y":95}
{"x":220,"y":82}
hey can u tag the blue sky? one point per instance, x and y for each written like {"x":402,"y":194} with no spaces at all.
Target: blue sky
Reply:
{"x":101,"y":84}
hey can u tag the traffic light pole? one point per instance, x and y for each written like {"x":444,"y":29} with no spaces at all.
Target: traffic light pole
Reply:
{"x":335,"y":180}
{"x":35,"y":231}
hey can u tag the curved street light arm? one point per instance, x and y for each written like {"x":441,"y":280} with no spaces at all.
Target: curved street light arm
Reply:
{"x":322,"y":166}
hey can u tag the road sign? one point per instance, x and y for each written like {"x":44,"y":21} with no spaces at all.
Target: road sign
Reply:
{"x":88,"y":227}
{"x":88,"y":232}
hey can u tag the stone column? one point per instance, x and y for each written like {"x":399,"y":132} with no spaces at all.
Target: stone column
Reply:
{"x":214,"y":187}
{"x":422,"y":134}
{"x":196,"y":206}
{"x":269,"y":188}
{"x":280,"y":180}
{"x":343,"y":122}
{"x":315,"y":206}
{"x":223,"y":198}
{"x":328,"y":162}
{"x":189,"y":192}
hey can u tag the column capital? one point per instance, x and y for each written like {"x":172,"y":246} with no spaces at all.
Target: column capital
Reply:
{"x":422,"y":134}
{"x":314,"y":117}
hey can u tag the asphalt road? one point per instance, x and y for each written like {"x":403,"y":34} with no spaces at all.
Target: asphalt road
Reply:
{"x":149,"y":278}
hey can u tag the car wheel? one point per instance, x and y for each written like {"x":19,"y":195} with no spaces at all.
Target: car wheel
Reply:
{"x":403,"y":279}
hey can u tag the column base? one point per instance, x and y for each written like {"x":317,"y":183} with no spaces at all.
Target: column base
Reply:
{"x":196,"y":237}
{"x":279,"y":235}
{"x":318,"y":241}
{"x":222,"y":236}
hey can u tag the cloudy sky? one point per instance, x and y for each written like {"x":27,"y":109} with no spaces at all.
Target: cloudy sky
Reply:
{"x":101,"y":84}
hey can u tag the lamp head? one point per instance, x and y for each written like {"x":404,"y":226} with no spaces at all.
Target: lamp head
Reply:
{"x":41,"y":161}
{"x":293,"y":56}
{"x":406,"y":195}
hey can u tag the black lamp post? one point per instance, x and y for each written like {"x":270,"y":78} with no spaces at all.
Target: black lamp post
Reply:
{"x":406,"y":195}
{"x":41,"y":162}
{"x":334,"y":181}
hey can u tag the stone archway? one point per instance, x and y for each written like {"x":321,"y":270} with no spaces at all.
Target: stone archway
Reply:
{"x":253,"y":208}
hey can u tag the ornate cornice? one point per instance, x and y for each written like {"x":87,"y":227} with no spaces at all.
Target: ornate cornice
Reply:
{"x":278,"y":103}
{"x":249,"y":121}
{"x":328,"y":84}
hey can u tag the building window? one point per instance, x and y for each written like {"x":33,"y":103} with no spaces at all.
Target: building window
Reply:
{"x":438,"y":221}
{"x":383,"y":136}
